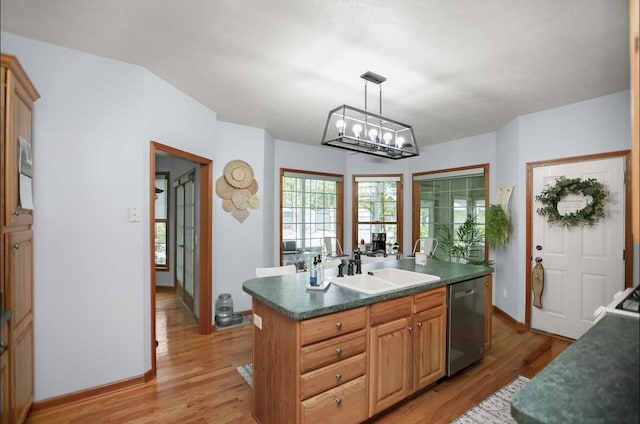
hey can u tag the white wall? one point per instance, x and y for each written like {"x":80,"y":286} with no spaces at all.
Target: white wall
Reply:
{"x":593,"y":126}
{"x":92,"y":127}
{"x":238,"y":247}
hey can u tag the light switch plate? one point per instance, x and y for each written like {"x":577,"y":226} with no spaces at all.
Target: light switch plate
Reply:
{"x":134,"y":215}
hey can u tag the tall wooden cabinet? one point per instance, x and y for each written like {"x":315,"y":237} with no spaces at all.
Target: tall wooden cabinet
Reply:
{"x":16,"y":249}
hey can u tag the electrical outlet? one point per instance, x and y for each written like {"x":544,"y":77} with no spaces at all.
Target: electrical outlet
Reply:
{"x":504,"y":293}
{"x":257,"y":321}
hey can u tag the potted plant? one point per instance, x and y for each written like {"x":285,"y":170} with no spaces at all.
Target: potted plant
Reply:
{"x":497,"y":226}
{"x":460,"y":245}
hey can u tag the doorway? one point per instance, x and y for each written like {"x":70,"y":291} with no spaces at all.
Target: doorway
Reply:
{"x":584,"y":265}
{"x":202,"y":298}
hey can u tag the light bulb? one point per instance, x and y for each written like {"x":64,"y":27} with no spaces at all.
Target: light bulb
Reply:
{"x":400,"y":142}
{"x":373,"y":133}
{"x":340,"y":125}
{"x":387,"y":137}
{"x":357,"y":129}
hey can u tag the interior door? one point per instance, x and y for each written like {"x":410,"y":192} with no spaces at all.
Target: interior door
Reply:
{"x":185,"y":238}
{"x":179,"y":273}
{"x":583,"y":266}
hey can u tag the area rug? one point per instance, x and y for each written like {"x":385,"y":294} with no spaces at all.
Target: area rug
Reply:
{"x":496,"y":409}
{"x":245,"y":372}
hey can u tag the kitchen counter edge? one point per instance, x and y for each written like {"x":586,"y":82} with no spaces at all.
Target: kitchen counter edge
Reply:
{"x":287,"y":293}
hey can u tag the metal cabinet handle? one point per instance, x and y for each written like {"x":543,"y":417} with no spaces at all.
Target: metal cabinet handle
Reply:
{"x":338,"y":351}
{"x":338,"y":325}
{"x":15,"y":246}
{"x":338,"y":376}
{"x":419,"y":324}
{"x":338,"y":401}
{"x":16,"y":212}
{"x":410,"y":329}
{"x":3,"y":346}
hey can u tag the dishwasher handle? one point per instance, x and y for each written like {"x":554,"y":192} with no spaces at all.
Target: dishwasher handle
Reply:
{"x":460,"y":294}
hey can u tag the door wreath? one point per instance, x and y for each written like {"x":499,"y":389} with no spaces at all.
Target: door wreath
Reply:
{"x":581,"y":202}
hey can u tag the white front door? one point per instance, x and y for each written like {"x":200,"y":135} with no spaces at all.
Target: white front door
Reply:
{"x":583,"y":266}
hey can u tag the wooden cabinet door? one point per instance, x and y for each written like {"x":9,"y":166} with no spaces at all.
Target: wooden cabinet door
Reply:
{"x":390,"y":364}
{"x":429,"y":341}
{"x":21,"y":373}
{"x":17,"y":110}
{"x":21,"y":324}
{"x":4,"y":375}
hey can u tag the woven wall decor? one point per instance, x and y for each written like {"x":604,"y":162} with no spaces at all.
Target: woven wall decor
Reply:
{"x":237,"y":188}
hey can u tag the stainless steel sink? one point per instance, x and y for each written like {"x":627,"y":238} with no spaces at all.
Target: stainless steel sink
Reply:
{"x":384,"y":280}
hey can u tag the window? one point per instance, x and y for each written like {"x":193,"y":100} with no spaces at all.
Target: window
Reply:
{"x":451,"y":208}
{"x":311,"y":209}
{"x":162,"y":221}
{"x":377,"y":206}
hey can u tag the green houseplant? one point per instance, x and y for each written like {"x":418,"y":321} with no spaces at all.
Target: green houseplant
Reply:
{"x":496,"y":226}
{"x":461,"y":244}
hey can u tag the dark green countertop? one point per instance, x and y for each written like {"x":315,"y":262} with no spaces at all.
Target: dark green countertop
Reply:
{"x":287,"y":293}
{"x":595,"y":380}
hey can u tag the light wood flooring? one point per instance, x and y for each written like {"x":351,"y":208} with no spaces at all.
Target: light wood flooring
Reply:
{"x":197,"y":379}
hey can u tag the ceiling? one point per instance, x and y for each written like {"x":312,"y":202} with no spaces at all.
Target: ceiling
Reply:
{"x":454,"y":68}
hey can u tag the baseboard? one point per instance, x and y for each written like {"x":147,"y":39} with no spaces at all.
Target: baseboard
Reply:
{"x":517,"y":324}
{"x":56,"y":401}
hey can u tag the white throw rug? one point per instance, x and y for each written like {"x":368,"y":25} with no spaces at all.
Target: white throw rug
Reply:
{"x":245,"y":372}
{"x":496,"y":409}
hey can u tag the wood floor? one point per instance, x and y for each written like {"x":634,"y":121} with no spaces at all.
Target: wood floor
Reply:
{"x":197,"y":379}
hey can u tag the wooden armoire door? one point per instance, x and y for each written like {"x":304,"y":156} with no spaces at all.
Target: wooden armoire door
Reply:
{"x":16,"y":252}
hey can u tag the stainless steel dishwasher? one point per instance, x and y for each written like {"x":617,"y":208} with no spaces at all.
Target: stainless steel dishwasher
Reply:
{"x":465,"y":324}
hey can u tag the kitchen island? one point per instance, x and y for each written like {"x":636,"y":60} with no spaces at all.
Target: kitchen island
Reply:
{"x":343,"y":356}
{"x":596,"y":380}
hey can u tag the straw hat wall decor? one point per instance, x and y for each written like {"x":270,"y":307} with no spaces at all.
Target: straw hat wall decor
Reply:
{"x":237,"y":188}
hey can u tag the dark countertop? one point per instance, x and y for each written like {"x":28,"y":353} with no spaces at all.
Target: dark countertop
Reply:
{"x":595,"y":380}
{"x":287,"y":293}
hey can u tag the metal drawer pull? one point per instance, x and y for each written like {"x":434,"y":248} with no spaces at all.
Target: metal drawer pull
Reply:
{"x":419,"y":324}
{"x":338,"y":401}
{"x":338,"y":325}
{"x":15,"y":246}
{"x":338,"y":351}
{"x":16,"y":212}
{"x":3,"y":346}
{"x":338,"y":376}
{"x":410,"y":329}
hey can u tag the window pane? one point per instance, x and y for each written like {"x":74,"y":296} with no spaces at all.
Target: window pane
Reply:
{"x":377,"y":211}
{"x":161,"y":243}
{"x":445,"y":207}
{"x":309,"y":213}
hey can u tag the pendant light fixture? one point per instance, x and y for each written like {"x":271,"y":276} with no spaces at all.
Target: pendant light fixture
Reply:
{"x":365,"y":132}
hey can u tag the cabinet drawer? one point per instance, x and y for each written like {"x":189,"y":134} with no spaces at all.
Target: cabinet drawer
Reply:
{"x":318,"y":381}
{"x":330,"y":351}
{"x":344,"y":404}
{"x":390,"y":310}
{"x":430,"y":299}
{"x":321,"y":328}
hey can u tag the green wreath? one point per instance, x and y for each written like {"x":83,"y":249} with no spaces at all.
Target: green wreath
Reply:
{"x":588,"y":215}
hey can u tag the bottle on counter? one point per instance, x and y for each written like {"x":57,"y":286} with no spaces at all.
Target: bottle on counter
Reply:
{"x":320,"y":270}
{"x":313,"y":274}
